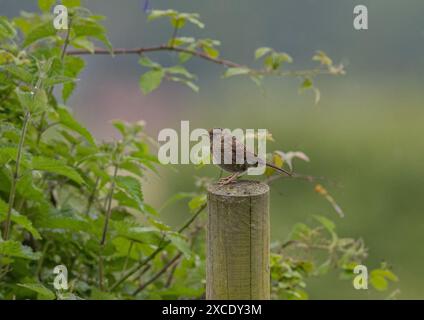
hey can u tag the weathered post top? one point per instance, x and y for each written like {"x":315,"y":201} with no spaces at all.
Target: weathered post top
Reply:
{"x":238,"y":241}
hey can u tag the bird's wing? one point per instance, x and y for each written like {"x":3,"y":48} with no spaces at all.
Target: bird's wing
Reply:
{"x":240,"y":148}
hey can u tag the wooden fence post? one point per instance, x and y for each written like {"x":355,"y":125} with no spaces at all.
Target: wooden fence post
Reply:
{"x":238,"y":241}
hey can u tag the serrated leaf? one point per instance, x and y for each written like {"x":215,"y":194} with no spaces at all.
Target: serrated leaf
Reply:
{"x":17,"y":250}
{"x":83,"y":43}
{"x":71,"y":3}
{"x":7,"y":154}
{"x":378,"y":282}
{"x":19,"y":219}
{"x":40,"y":101}
{"x":57,"y":167}
{"x":151,"y":80}
{"x":322,"y":57}
{"x":88,"y":27}
{"x":132,"y":187}
{"x":180,"y":243}
{"x":67,"y":120}
{"x":72,"y":67}
{"x":18,"y":72}
{"x":7,"y":31}
{"x":40,"y":289}
{"x":39,"y":32}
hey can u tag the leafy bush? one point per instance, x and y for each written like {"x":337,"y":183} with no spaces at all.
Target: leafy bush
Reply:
{"x":67,"y":199}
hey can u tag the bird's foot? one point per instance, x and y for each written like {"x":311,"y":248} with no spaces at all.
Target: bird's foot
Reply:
{"x":228,"y":180}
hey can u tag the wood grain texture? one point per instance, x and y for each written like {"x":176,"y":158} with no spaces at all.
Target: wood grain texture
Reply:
{"x":238,"y":241}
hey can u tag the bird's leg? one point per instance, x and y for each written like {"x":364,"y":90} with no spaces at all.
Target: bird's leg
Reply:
{"x":229,"y":179}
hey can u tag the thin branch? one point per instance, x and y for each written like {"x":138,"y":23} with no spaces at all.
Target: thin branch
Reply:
{"x":159,"y":249}
{"x":15,"y":177}
{"x":158,"y":274}
{"x":66,"y":43}
{"x":204,"y":56}
{"x":109,"y":205}
{"x":62,"y":57}
{"x":165,"y":47}
{"x":297,"y":176}
{"x":171,"y":276}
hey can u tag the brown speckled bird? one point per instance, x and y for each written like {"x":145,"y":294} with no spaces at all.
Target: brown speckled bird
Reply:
{"x":250,"y":158}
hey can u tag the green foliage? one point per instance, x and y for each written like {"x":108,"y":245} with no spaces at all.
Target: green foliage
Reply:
{"x":68,"y":199}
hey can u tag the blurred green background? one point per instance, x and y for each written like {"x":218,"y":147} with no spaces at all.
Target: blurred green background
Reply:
{"x":366,"y":133}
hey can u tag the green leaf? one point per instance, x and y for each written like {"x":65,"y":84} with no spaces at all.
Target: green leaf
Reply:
{"x":193,"y":18}
{"x":19,"y":219}
{"x":197,"y":202}
{"x":192,"y":86}
{"x":72,"y":67}
{"x":25,"y":98}
{"x":211,"y":52}
{"x":71,"y":3}
{"x":151,"y":80}
{"x":307,"y":84}
{"x":188,"y":83}
{"x":326,"y":223}
{"x":7,"y":154}
{"x":260,"y":52}
{"x":7,"y":31}
{"x":66,"y":221}
{"x":274,"y":60}
{"x":83,"y":43}
{"x":146,"y":62}
{"x":46,"y":5}
{"x":16,"y":249}
{"x":39,"y":32}
{"x":132,"y":187}
{"x":156,"y":14}
{"x":300,"y":231}
{"x":131,"y":231}
{"x":67,"y":120}
{"x":91,"y":28}
{"x":230,"y":72}
{"x":40,"y":101}
{"x":40,"y":289}
{"x":379,"y":278}
{"x":57,"y":167}
{"x":184,"y":57}
{"x":18,"y":72}
{"x":180,"y":243}
{"x":180,"y":70}
{"x":379,"y":282}
{"x":178,"y":22}
{"x":55,"y":80}
{"x":6,"y":57}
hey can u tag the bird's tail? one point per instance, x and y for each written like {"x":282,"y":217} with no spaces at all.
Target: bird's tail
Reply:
{"x":279,"y":169}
